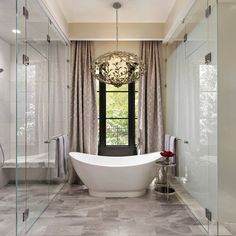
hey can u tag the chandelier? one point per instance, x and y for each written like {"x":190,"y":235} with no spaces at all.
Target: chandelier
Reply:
{"x":118,"y":67}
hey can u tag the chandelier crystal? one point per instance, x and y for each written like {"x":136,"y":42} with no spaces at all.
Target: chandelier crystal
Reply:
{"x":118,"y":67}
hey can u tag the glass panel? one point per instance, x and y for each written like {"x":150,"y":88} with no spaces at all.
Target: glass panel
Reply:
{"x":7,"y":118}
{"x":57,"y":102}
{"x":18,"y":130}
{"x":110,"y":87}
{"x":192,"y":109}
{"x":117,"y":105}
{"x":117,"y":132}
{"x":211,"y":88}
{"x":36,"y":112}
{"x":36,"y":118}
{"x":37,"y":27}
{"x":196,"y":27}
{"x":197,"y":154}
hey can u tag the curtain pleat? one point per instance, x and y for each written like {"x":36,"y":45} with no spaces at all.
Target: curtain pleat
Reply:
{"x":151,"y":124}
{"x":83,"y":110}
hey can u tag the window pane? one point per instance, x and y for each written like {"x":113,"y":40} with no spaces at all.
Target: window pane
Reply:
{"x":136,"y":131}
{"x":117,"y":132}
{"x":117,"y":105}
{"x":136,"y":85}
{"x":98,"y":131}
{"x":110,"y":87}
{"x":97,"y":103}
{"x":97,"y":85}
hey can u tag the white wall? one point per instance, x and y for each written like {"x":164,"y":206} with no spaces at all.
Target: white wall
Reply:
{"x":107,"y":31}
{"x":5,"y":117}
{"x":227,"y":111}
{"x":102,"y":47}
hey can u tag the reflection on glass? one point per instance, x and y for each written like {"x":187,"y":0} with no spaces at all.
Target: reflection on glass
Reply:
{"x":207,"y":103}
{"x":117,"y":132}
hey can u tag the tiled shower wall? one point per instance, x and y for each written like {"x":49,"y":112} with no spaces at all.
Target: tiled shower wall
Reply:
{"x":5,"y":116}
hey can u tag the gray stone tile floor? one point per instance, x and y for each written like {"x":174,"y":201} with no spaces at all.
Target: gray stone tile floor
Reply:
{"x":73,"y":213}
{"x":7,"y":210}
{"x":36,"y":199}
{"x":226,"y":229}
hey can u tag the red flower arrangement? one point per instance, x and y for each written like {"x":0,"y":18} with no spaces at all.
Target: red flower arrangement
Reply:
{"x":167,"y":155}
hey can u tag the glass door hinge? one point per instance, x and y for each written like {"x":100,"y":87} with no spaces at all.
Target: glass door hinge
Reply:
{"x":208,"y":214}
{"x":185,"y":37}
{"x":25,"y":13}
{"x":25,"y":214}
{"x":208,"y":11}
{"x":25,"y":60}
{"x":208,"y":58}
{"x":48,"y":38}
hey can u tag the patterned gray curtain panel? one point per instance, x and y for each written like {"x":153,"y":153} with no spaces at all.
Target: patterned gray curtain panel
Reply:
{"x":83,"y":110}
{"x":151,"y":127}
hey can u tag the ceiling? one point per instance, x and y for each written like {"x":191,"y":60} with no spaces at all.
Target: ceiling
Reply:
{"x":7,"y":20}
{"x":37,"y":24}
{"x":101,"y":11}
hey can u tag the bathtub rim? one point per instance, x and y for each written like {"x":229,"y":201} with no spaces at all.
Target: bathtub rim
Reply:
{"x":150,"y":158}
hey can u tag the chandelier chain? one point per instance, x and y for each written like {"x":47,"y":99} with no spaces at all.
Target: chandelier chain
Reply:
{"x":117,"y":30}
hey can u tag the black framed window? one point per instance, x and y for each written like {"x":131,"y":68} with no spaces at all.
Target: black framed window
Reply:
{"x":117,"y":119}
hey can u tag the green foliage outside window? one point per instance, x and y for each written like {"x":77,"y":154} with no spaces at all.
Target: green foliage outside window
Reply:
{"x":116,"y":114}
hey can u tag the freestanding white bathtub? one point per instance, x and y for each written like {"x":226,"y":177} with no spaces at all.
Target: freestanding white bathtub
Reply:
{"x":106,"y":176}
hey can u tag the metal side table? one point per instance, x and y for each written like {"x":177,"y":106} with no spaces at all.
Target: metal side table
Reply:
{"x":165,"y":188}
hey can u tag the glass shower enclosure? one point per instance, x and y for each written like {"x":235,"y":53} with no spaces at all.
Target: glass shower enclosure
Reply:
{"x":192,"y":103}
{"x":33,"y":100}
{"x":41,"y":108}
{"x":200,"y":100}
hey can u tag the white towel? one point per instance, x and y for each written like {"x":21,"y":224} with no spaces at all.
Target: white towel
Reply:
{"x":173,"y":149}
{"x":61,"y":156}
{"x":167,"y":142}
{"x":172,"y":146}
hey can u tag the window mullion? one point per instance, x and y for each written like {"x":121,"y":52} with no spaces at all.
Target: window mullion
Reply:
{"x":102,"y":112}
{"x":131,"y":113}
